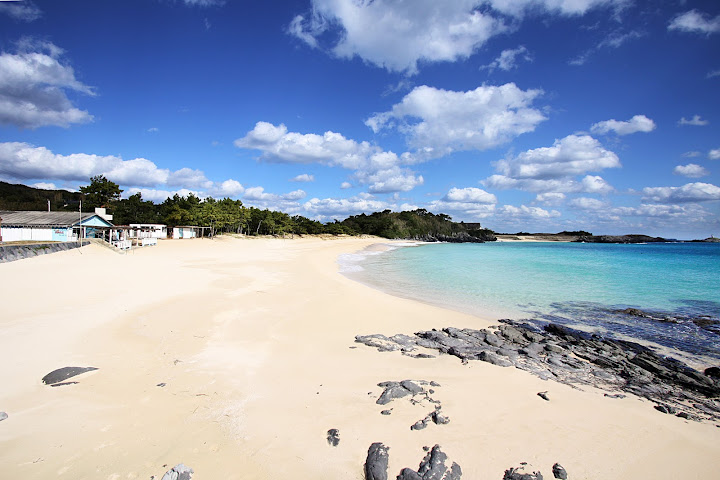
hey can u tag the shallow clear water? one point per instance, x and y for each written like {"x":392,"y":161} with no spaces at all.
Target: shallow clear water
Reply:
{"x":571,"y":283}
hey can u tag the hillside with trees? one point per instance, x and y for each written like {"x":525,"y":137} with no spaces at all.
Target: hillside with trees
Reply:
{"x":231,"y":216}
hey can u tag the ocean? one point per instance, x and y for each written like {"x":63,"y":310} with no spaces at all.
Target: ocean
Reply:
{"x":579,"y":285}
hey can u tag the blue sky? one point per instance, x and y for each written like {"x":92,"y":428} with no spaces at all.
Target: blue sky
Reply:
{"x":533,"y":115}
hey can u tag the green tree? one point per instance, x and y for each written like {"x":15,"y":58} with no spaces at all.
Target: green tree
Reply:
{"x":100,"y":193}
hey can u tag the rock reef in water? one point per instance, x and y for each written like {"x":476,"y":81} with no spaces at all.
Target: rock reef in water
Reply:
{"x":620,"y":239}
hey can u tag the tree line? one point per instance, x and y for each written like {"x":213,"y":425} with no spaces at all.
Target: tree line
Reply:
{"x":227,"y":215}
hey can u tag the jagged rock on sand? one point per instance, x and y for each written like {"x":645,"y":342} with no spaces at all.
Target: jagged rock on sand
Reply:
{"x":333,"y":437}
{"x":432,"y":467}
{"x":376,"y":464}
{"x":179,"y":472}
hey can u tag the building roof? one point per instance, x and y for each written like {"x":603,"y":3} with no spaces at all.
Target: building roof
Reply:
{"x":44,"y":219}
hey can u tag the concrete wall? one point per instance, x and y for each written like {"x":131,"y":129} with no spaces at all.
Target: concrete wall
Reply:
{"x":10,"y":253}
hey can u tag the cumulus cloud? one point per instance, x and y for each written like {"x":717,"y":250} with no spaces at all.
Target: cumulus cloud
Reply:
{"x":44,"y":186}
{"x":345,"y":185}
{"x":714,"y":154}
{"x":380,"y":170}
{"x":587,"y":203}
{"x":204,"y":3}
{"x":523,"y":211}
{"x":695,"y":21}
{"x":691,"y":192}
{"x":638,"y":123}
{"x":572,"y":155}
{"x":338,"y":208}
{"x":471,"y":201}
{"x":692,"y":154}
{"x":691,"y":170}
{"x":508,"y":59}
{"x":550,"y":199}
{"x":398,"y":35}
{"x":22,"y":161}
{"x":286,"y":202}
{"x":694,"y":121}
{"x":33,"y":86}
{"x":563,"y":7}
{"x":303,"y":178}
{"x":438,"y":122}
{"x":26,"y":10}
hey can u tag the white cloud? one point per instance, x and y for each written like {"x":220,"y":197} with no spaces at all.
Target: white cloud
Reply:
{"x":397,"y":35}
{"x":523,"y":211}
{"x":655,"y":210}
{"x":26,"y":10}
{"x":595,"y":184}
{"x":24,"y":161}
{"x":228,"y":188}
{"x":345,"y":185}
{"x":586,"y":203}
{"x":153,"y":130}
{"x":713,"y":74}
{"x":613,"y":40}
{"x":303,"y":178}
{"x":572,"y":155}
{"x":714,"y":154}
{"x":638,"y":123}
{"x":550,"y":199}
{"x":286,"y":202}
{"x":204,"y":3}
{"x":470,"y":200}
{"x":439,"y":122}
{"x":44,"y":186}
{"x":564,"y":7}
{"x":692,"y":154}
{"x":691,"y":170}
{"x":33,"y":85}
{"x":691,"y":192}
{"x":695,"y":121}
{"x":342,"y":207}
{"x":695,"y":22}
{"x":373,"y":166}
{"x":508,"y":59}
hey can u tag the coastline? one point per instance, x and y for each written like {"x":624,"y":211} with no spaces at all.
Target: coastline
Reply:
{"x":254,"y":342}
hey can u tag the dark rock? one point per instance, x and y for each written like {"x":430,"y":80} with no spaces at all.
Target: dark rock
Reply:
{"x":61,"y":384}
{"x":381,"y":342}
{"x":64,"y":373}
{"x":559,"y":472}
{"x":544,"y":396}
{"x":178,"y":472}
{"x":419,"y":425}
{"x":489,"y":357}
{"x":713,"y":372}
{"x":376,"y":464}
{"x":408,"y":474}
{"x":615,"y":395}
{"x":161,"y":384}
{"x":516,"y":474}
{"x":665,"y":409}
{"x":386,"y":412}
{"x":411,"y":386}
{"x":438,"y":418}
{"x":391,"y":393}
{"x":3,"y":416}
{"x":333,"y":437}
{"x":634,"y":312}
{"x":433,"y":467}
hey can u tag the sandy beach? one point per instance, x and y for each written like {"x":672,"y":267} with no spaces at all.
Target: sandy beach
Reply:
{"x":253,"y":340}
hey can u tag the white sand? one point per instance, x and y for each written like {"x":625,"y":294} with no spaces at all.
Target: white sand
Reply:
{"x":253,"y":340}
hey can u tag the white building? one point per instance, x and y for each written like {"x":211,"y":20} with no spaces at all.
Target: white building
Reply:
{"x":50,"y":226}
{"x":148,"y":230}
{"x":185,"y":232}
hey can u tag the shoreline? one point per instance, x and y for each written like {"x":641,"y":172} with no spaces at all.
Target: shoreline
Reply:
{"x":254,"y":343}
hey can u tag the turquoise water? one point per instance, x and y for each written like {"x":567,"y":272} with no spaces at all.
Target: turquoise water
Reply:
{"x":577,"y":284}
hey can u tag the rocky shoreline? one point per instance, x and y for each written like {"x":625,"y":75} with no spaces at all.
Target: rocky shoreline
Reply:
{"x":574,"y":358}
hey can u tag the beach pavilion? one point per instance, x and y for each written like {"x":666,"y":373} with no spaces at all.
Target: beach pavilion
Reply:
{"x":52,"y":226}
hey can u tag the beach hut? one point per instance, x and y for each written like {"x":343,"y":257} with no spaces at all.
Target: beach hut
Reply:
{"x":185,"y":232}
{"x":148,"y":230}
{"x":51,"y":226}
